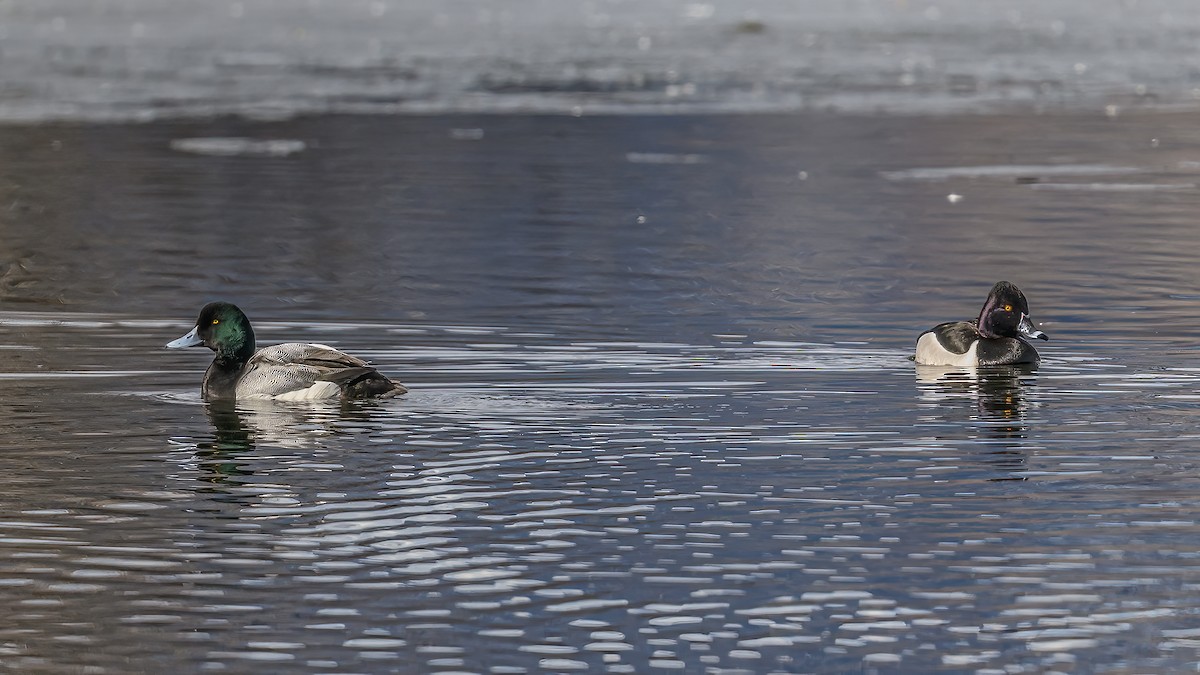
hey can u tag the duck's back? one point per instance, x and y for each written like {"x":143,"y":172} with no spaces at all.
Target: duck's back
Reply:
{"x":949,"y":344}
{"x":297,"y":371}
{"x":306,"y":353}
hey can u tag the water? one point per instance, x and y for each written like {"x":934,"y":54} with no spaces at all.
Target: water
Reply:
{"x":662,"y":417}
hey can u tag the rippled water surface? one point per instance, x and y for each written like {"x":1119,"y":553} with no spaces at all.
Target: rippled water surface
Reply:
{"x":661,"y":415}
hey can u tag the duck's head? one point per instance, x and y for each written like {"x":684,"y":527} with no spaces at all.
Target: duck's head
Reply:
{"x":1006,"y":314}
{"x":223,"y":328}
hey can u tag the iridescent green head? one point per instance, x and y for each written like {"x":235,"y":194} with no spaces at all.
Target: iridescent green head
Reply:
{"x":223,"y":328}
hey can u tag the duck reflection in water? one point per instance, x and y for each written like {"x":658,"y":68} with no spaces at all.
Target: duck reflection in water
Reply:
{"x":997,"y":395}
{"x":240,"y":426}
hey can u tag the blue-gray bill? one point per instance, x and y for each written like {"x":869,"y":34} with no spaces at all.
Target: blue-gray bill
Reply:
{"x":189,"y":340}
{"x":1025,"y":328}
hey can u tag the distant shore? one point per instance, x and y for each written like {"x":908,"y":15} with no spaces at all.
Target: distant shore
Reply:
{"x":148,"y":60}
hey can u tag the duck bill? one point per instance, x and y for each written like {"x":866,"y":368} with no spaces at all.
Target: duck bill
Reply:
{"x":1027,"y":329}
{"x":192,"y":339}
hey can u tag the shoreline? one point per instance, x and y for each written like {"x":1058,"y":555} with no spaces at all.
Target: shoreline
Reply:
{"x":1106,"y":111}
{"x":149,"y":59}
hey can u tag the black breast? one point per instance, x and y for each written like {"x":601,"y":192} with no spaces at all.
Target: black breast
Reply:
{"x":220,"y":380}
{"x":1005,"y":351}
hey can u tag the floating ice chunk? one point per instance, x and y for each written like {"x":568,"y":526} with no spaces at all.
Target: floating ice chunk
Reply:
{"x":232,"y":146}
{"x":664,"y":158}
{"x":466,"y":134}
{"x":1009,"y":171}
{"x":1115,"y":187}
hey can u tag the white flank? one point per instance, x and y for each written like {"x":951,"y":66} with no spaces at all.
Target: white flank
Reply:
{"x":319,"y":391}
{"x":930,"y":352}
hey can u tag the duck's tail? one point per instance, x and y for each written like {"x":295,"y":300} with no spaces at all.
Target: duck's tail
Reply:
{"x":364,"y":383}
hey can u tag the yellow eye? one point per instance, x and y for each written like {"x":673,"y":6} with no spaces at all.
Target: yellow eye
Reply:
{"x":1007,"y":308}
{"x":216,"y":321}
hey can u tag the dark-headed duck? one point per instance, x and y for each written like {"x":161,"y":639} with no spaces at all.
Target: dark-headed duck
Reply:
{"x":997,"y":338}
{"x":292,"y":371}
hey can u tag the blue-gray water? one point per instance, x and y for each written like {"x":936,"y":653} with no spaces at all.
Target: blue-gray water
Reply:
{"x":661,"y":415}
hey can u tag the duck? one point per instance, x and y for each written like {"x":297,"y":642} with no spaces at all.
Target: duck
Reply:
{"x":999,"y":337}
{"x":292,"y":371}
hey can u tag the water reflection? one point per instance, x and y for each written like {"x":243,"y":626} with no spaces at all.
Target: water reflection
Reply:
{"x":242,"y":425}
{"x":230,"y":432}
{"x":245,"y":433}
{"x":994,"y":398}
